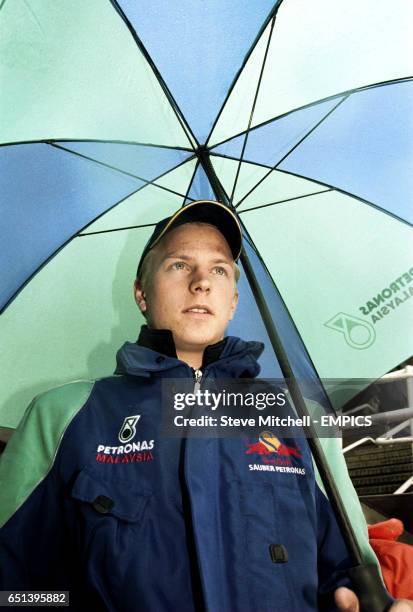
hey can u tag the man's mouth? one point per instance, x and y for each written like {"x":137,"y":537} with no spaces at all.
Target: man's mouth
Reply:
{"x":198,"y":310}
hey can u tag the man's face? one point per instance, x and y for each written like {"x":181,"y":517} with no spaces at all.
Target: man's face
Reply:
{"x":191,"y":287}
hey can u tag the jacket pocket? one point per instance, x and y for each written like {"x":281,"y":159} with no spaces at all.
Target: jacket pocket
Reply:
{"x":280,"y":541}
{"x":112,"y":497}
{"x":107,"y":517}
{"x":252,"y":527}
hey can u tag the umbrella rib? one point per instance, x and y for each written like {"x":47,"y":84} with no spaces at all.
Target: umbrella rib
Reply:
{"x":246,"y":161}
{"x":122,"y":142}
{"x":293,"y":148}
{"x":306,"y":195}
{"x":116,"y":229}
{"x":253,"y":107}
{"x":314,"y":103}
{"x":135,"y":176}
{"x":174,"y":105}
{"x":272,"y":14}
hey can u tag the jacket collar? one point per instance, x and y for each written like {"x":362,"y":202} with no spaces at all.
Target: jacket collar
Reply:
{"x":162,"y":341}
{"x":155,"y":352}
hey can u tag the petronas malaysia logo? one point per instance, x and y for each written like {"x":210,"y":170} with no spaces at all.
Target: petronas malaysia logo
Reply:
{"x":128,"y":429}
{"x":358,"y":333}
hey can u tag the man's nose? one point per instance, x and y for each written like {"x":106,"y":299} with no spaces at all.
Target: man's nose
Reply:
{"x":200,"y":282}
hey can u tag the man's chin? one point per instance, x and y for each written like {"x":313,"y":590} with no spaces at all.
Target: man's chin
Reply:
{"x":195,"y":342}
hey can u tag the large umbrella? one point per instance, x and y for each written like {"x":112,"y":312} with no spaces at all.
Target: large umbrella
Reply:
{"x":296,"y":113}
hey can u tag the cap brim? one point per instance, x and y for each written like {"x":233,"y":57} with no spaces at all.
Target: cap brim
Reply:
{"x":214,"y":213}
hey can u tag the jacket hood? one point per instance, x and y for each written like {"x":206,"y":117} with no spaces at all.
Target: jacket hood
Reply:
{"x":238,"y":358}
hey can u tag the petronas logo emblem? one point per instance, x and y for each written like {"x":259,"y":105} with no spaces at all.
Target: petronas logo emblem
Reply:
{"x":128,"y":429}
{"x":358,"y":333}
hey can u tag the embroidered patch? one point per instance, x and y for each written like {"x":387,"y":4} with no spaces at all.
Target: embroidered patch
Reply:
{"x":274,"y":455}
{"x":128,"y":430}
{"x":133,"y":452}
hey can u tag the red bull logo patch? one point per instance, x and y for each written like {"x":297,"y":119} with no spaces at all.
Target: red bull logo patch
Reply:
{"x":275,"y":456}
{"x":269,"y":444}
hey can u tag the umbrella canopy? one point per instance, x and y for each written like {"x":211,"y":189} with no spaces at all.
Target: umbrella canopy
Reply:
{"x":114,"y":114}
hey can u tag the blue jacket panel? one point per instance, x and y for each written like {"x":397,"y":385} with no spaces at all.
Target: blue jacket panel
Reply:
{"x":162,"y":524}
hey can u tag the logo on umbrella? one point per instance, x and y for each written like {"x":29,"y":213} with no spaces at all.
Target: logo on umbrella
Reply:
{"x":358,"y":334}
{"x":128,"y":429}
{"x":269,"y":444}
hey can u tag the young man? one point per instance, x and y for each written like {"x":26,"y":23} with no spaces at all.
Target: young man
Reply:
{"x":94,"y":500}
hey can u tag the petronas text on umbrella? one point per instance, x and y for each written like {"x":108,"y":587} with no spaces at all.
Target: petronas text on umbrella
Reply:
{"x":387,"y":297}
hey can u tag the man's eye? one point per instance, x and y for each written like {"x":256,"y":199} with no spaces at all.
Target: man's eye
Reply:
{"x":220,"y":271}
{"x":179,"y":265}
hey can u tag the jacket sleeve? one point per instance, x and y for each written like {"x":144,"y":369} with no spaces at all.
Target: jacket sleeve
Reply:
{"x":31,"y":518}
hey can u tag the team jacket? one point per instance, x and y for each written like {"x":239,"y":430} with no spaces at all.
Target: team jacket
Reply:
{"x":98,"y":502}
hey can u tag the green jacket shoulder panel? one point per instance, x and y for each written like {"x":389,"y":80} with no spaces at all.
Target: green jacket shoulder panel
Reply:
{"x":31,"y":451}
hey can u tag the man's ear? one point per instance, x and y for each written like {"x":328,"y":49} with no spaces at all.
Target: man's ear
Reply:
{"x":234,"y":304}
{"x":139,"y":294}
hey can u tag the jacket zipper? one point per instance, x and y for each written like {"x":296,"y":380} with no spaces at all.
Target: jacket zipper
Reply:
{"x":197,"y":378}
